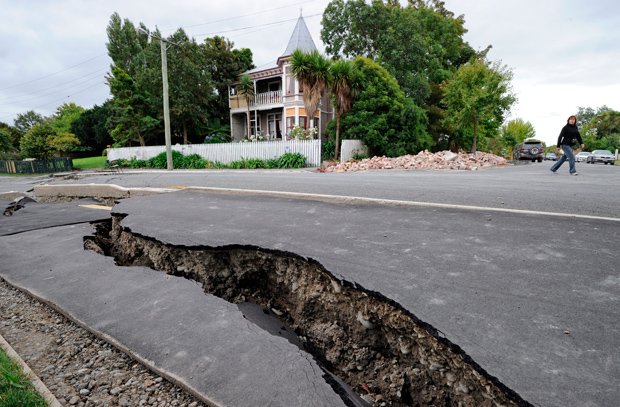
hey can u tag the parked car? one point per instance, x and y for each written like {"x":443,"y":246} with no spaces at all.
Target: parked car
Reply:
{"x":601,"y":156}
{"x":530,"y":150}
{"x":582,"y":156}
{"x":551,"y":156}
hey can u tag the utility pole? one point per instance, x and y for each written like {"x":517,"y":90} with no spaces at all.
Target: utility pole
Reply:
{"x":164,"y":78}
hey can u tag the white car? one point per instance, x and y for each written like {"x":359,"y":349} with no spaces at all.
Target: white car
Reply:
{"x":582,"y":156}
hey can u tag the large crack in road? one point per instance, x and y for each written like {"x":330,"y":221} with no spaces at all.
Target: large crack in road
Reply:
{"x":378,"y":348}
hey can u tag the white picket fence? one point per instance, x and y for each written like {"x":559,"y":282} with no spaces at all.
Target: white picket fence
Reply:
{"x":228,"y":152}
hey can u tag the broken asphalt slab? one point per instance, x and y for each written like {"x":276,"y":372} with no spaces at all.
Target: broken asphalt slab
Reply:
{"x":533,"y":300}
{"x":502,"y":293}
{"x":168,"y":323}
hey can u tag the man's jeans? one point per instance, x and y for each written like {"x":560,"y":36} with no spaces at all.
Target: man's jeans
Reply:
{"x":568,"y":155}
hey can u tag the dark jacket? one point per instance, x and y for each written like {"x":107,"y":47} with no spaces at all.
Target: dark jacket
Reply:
{"x":569,"y":135}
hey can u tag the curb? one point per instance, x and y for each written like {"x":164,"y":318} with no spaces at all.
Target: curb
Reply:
{"x":38,"y":385}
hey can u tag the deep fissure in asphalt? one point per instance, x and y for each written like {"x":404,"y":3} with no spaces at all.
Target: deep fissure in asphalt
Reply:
{"x":382,"y":351}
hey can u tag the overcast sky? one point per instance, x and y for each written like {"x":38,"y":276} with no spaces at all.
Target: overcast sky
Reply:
{"x":563,"y":53}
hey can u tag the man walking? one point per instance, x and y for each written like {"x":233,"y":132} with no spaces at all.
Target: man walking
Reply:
{"x":567,"y":139}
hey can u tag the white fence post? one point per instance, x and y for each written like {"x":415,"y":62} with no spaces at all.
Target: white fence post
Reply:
{"x":228,"y":152}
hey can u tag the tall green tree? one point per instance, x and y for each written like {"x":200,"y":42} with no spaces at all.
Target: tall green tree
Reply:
{"x":35,"y":143}
{"x":344,"y":84}
{"x":190,"y":85}
{"x":312,"y":72}
{"x":134,"y":83}
{"x":421,"y":44}
{"x":515,"y":132}
{"x":477,"y":98}
{"x":382,"y":116}
{"x":602,"y":130}
{"x":25,"y":121}
{"x":9,"y":141}
{"x":246,"y":89}
{"x":224,"y":64}
{"x":91,"y":128}
{"x":131,"y":118}
{"x":65,"y":115}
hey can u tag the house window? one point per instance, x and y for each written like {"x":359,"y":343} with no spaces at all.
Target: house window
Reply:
{"x":303,"y":122}
{"x":233,"y":91}
{"x":290,"y":123}
{"x":255,"y":126}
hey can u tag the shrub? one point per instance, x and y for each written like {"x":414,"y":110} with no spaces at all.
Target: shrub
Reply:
{"x":194,"y":161}
{"x":292,"y":160}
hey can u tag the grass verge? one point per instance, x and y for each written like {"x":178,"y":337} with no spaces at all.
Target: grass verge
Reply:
{"x":15,"y":389}
{"x":89,"y":163}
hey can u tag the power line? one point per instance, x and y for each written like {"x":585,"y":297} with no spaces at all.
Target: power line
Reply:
{"x":87,"y":78}
{"x":243,"y":15}
{"x":256,"y":26}
{"x":55,"y":73}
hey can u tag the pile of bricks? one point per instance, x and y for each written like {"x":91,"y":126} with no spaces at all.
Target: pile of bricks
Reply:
{"x":424,"y":160}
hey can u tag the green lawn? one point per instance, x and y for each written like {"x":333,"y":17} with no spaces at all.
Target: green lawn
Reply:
{"x":15,"y":390}
{"x":89,"y":163}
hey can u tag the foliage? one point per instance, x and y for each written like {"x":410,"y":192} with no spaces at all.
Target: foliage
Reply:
{"x":130,"y":110}
{"x":477,"y":98}
{"x":312,"y":72}
{"x":344,"y":85}
{"x":299,"y":133}
{"x":420,"y":44}
{"x":25,"y":121}
{"x":198,"y":78}
{"x":194,"y":161}
{"x":15,"y":389}
{"x":328,"y":149}
{"x":381,"y":116}
{"x":34,"y":144}
{"x":217,"y":133}
{"x":292,"y":160}
{"x":63,"y":143}
{"x":246,"y":89}
{"x":89,"y":163}
{"x":223,"y":64}
{"x":601,"y":131}
{"x":513,"y":133}
{"x":65,"y":115}
{"x":8,"y":138}
{"x":91,"y":128}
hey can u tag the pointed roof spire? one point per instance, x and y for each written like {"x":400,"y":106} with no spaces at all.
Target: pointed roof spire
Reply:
{"x":300,"y":39}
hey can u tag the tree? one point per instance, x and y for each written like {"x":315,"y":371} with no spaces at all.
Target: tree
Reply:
{"x":130,"y":119}
{"x":515,"y":132}
{"x":312,"y":72}
{"x":344,"y":83}
{"x":63,"y":143}
{"x":602,"y":130}
{"x":381,"y":116}
{"x":65,"y":115}
{"x":91,"y":128}
{"x":246,"y":89}
{"x":223,"y":64}
{"x":477,"y":98}
{"x":34,"y":144}
{"x":25,"y":121}
{"x":9,"y":141}
{"x":420,"y":44}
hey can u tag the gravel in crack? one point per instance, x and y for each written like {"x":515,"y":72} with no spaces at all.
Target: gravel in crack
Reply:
{"x":76,"y":366}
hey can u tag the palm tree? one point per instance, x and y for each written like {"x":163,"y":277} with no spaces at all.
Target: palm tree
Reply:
{"x":312,"y":72}
{"x":344,"y":83}
{"x":246,"y":88}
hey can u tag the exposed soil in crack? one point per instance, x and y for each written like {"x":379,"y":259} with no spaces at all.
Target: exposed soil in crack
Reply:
{"x":381,"y":350}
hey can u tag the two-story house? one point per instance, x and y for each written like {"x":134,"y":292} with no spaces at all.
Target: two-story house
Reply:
{"x":278,"y":104}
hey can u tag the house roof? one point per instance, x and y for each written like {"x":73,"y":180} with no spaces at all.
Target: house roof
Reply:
{"x":300,"y":39}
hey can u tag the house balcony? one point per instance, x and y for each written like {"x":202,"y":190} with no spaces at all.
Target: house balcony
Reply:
{"x":265,"y":100}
